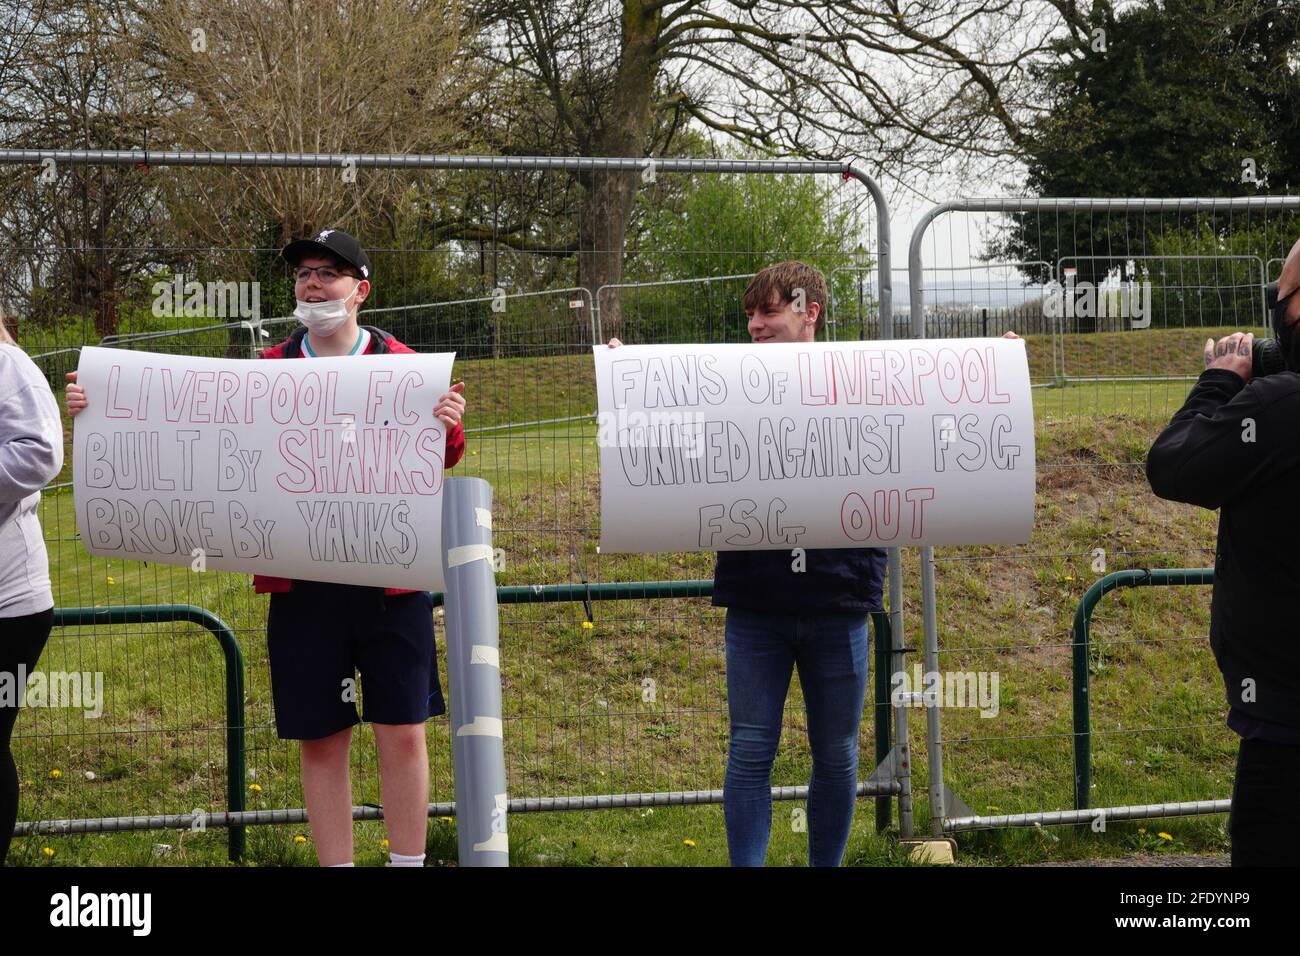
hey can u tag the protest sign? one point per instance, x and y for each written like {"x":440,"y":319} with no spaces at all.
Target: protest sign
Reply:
{"x":328,"y":469}
{"x":824,"y":445}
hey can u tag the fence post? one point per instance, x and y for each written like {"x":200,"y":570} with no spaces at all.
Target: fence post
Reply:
{"x":884,"y":743}
{"x":1082,"y":623}
{"x":234,"y":665}
{"x":474,"y":673}
{"x":903,"y":766}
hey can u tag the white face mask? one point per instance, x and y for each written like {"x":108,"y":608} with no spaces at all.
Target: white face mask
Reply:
{"x":324,"y":318}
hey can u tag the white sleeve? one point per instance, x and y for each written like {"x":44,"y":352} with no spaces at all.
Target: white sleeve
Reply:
{"x":31,"y":442}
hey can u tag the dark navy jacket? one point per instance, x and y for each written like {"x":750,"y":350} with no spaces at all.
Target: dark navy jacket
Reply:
{"x":835,"y":579}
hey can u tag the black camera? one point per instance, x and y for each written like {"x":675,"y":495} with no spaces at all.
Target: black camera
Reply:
{"x":1267,"y":357}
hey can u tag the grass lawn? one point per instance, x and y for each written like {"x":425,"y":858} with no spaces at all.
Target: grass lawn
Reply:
{"x":576,"y":720}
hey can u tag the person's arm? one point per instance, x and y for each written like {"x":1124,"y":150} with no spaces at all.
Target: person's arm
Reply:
{"x":1226,"y":438}
{"x":455,"y":446}
{"x":31,"y":442}
{"x":450,"y":410}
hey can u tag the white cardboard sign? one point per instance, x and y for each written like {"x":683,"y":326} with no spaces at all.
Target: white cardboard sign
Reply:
{"x":823,"y":445}
{"x":323,"y":469}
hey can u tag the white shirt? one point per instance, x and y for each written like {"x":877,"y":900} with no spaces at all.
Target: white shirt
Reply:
{"x":31,"y":455}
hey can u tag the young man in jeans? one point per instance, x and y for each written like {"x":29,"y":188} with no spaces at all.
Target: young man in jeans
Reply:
{"x":783,"y":613}
{"x":319,"y":635}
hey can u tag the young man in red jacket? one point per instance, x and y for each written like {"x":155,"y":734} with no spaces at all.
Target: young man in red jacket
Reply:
{"x":319,"y":635}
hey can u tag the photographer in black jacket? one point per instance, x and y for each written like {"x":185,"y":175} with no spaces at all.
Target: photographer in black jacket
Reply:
{"x":1235,"y":446}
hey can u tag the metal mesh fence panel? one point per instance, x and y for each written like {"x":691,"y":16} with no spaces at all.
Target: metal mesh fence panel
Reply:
{"x":611,"y":697}
{"x":1115,"y":299}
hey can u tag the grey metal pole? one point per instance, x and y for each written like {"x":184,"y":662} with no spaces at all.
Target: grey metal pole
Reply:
{"x":474,"y":673}
{"x":898,"y":665}
{"x":168,"y":157}
{"x":884,"y":254}
{"x":903,"y":767}
{"x":929,"y":622}
{"x":933,"y":732}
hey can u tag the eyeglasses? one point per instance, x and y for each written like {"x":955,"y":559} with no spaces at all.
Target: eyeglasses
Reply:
{"x":326,"y":274}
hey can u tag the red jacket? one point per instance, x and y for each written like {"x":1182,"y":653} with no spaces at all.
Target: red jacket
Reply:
{"x":265,"y":584}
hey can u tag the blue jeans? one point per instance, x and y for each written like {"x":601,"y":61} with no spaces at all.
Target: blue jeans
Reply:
{"x":830,"y":650}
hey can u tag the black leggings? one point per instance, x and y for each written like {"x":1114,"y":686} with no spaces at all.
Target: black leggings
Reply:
{"x":1265,"y":794}
{"x":21,"y":641}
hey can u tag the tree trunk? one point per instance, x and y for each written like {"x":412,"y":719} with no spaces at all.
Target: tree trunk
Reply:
{"x":600,"y":255}
{"x":105,"y":299}
{"x":609,"y":195}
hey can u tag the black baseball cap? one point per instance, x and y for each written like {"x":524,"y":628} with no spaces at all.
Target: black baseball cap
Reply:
{"x":333,"y":242}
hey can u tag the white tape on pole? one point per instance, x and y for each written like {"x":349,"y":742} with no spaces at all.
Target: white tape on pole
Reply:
{"x":467,"y":553}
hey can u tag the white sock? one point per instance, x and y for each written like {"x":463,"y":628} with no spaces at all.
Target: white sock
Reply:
{"x":332,"y":865}
{"x":397,"y":859}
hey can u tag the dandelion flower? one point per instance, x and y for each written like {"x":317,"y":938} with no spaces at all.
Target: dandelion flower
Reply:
{"x":689,"y":842}
{"x":48,"y":851}
{"x":56,"y":773}
{"x":383,"y":844}
{"x":299,"y":838}
{"x":587,"y":625}
{"x":255,"y":787}
{"x":1142,"y":829}
{"x":445,"y":819}
{"x":1164,"y":836}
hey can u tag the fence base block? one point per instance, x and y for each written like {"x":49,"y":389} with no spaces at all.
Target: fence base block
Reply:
{"x":933,"y":850}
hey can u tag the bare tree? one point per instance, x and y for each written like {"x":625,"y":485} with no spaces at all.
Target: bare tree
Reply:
{"x":908,"y":86}
{"x":75,"y":234}
{"x":292,"y":76}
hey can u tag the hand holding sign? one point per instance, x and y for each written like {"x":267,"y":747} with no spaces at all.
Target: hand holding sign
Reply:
{"x":451,"y":406}
{"x":74,"y":396}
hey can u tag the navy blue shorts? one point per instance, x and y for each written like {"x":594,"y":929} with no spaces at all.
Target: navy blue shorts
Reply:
{"x":319,"y":635}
